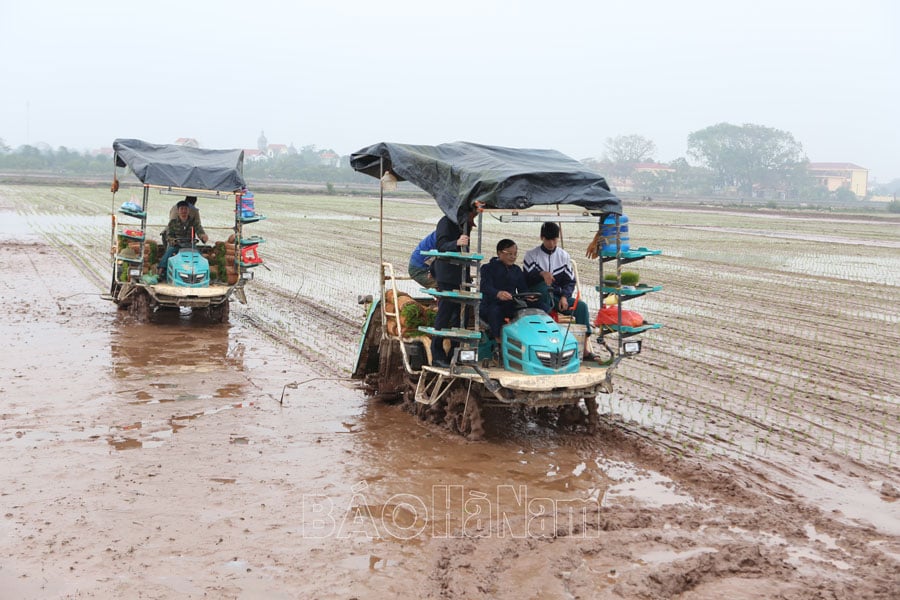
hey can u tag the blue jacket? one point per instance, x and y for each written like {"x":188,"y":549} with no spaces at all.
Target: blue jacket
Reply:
{"x":429,"y":242}
{"x":496,"y":276}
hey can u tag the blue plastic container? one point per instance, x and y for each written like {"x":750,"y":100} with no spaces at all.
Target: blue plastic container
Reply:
{"x":608,"y":233}
{"x":247,"y":208}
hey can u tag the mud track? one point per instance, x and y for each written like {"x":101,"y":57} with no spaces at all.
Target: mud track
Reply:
{"x":748,"y":458}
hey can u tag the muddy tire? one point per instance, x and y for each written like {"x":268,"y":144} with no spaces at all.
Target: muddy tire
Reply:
{"x":593,"y":416}
{"x":463,"y":413}
{"x":392,"y":375}
{"x":570,"y":416}
{"x":140,"y":309}
{"x":430,"y":413}
{"x":218,"y":313}
{"x":409,"y":395}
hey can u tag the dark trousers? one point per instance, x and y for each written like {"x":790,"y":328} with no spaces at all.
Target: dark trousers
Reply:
{"x":164,"y":261}
{"x":447,"y":317}
{"x":496,"y":313}
{"x":549,"y":302}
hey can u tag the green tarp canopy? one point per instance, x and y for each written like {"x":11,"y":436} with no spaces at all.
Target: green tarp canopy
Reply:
{"x":170,"y":165}
{"x":459,"y":174}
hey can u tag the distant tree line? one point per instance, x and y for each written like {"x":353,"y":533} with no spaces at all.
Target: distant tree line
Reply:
{"x":301,"y":166}
{"x":729,"y":160}
{"x":43,"y":159}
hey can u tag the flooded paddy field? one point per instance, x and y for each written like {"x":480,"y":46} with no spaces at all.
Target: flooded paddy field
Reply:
{"x":751,"y":450}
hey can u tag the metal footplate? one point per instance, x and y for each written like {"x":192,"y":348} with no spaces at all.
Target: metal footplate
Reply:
{"x":432,"y":386}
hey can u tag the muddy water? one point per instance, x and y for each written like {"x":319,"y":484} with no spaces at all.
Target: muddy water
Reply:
{"x":176,"y":454}
{"x":459,"y":488}
{"x":179,"y":459}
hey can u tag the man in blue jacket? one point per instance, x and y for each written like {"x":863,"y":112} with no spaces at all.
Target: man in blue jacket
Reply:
{"x":420,"y":266}
{"x":500,"y":279}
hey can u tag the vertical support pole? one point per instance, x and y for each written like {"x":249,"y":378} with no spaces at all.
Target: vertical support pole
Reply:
{"x":144,"y":228}
{"x":381,"y":273}
{"x":477,"y":280}
{"x":619,"y":337}
{"x":381,"y":221}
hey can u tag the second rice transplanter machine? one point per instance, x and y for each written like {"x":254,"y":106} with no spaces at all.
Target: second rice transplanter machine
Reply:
{"x":542,"y":366}
{"x":198,"y":276}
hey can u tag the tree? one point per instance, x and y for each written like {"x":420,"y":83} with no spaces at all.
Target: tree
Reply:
{"x":630,"y":149}
{"x":625,"y":151}
{"x":746,"y":155}
{"x":3,"y":147}
{"x":844,"y":195}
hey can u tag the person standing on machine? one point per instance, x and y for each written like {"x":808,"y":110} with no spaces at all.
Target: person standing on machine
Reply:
{"x":450,"y":237}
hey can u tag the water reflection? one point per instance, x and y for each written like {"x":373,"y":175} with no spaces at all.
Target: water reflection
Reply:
{"x":193,"y":367}
{"x":415,"y":481}
{"x":416,"y":478}
{"x":173,"y":343}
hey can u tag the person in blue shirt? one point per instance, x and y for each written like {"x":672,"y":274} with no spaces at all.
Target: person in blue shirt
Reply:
{"x":500,"y":279}
{"x":419,"y":265}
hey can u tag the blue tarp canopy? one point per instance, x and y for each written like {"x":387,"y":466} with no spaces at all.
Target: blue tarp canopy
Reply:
{"x":459,"y":174}
{"x":170,"y":165}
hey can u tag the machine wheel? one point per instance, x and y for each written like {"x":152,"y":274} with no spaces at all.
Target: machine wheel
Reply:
{"x":570,"y":416}
{"x":463,"y":413}
{"x":140,"y":309}
{"x":593,"y":417}
{"x":391,"y":373}
{"x":409,"y":396}
{"x":218,"y":313}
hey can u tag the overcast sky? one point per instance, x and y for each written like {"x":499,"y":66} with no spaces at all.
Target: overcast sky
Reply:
{"x":344,"y":74}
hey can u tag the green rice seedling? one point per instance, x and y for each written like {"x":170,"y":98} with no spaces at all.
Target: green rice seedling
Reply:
{"x":628,"y":277}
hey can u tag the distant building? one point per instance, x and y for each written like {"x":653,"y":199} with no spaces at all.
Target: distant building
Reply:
{"x":187,"y":142}
{"x":253,"y":155}
{"x":276,"y":150}
{"x":834,"y":176}
{"x":655,"y":168}
{"x":261,"y":142}
{"x":329,"y":158}
{"x":630,"y":182}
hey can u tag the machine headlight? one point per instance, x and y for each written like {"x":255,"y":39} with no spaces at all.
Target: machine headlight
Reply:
{"x":568,"y":354}
{"x":631,"y":347}
{"x":467,"y":356}
{"x":542,"y":355}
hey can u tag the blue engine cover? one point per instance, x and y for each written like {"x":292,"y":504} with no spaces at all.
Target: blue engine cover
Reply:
{"x":534,"y":344}
{"x":188,"y":268}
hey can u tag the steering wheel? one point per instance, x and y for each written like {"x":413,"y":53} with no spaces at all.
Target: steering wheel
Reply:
{"x":526,"y":295}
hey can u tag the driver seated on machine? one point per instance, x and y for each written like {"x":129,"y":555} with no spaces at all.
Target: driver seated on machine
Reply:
{"x":501,"y":279}
{"x":193,"y":211}
{"x":181,"y":232}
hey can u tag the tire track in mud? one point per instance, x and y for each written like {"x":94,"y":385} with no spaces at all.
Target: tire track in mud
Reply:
{"x":756,"y":350}
{"x":321,"y":336}
{"x":702,"y":398}
{"x":756,"y":533}
{"x":756,"y":520}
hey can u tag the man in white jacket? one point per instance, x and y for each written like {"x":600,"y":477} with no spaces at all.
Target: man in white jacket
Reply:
{"x":548,"y":270}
